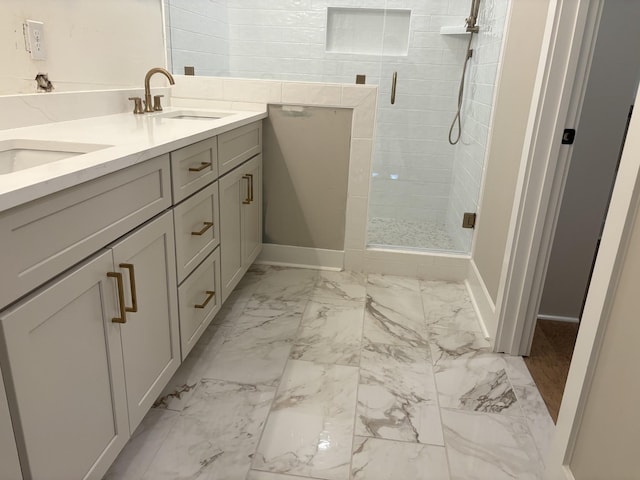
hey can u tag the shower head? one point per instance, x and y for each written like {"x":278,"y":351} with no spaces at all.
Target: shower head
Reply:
{"x":473,"y":17}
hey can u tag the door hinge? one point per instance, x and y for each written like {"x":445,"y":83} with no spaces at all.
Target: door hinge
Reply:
{"x":469,"y":220}
{"x":568,"y":136}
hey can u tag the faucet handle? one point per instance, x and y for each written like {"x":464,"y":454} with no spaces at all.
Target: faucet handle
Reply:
{"x":137,"y":105}
{"x":157,"y":106}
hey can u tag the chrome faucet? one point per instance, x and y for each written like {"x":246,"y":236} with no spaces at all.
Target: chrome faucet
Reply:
{"x":148,"y":107}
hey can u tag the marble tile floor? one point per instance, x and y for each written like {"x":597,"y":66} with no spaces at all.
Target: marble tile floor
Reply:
{"x":398,"y":232}
{"x":332,"y":375}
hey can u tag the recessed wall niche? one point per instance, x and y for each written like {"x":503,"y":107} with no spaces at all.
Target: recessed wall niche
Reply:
{"x":369,"y":31}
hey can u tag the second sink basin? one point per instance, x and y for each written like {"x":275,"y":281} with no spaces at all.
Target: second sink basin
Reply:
{"x":194,"y":115}
{"x":18,"y":154}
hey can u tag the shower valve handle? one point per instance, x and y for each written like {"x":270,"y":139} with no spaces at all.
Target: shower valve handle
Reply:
{"x":394,"y":81}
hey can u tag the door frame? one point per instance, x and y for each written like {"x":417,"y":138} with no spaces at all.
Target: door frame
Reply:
{"x":567,"y":49}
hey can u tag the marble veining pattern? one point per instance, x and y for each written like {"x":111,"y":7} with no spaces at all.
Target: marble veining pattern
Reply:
{"x":394,"y":319}
{"x":375,"y":459}
{"x":537,"y":417}
{"x":339,"y":376}
{"x":397,"y":397}
{"x":216,"y":435}
{"x":448,"y":344}
{"x":447,"y":305}
{"x":489,"y":447}
{"x":477,"y":384}
{"x":330,"y":332}
{"x":310,"y":428}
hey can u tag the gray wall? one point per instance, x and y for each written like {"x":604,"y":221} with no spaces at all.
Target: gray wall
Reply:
{"x":513,"y":101}
{"x":610,"y":91}
{"x":306,"y":170}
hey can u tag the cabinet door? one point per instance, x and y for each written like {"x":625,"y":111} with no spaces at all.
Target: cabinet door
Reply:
{"x":233,"y":191}
{"x":150,"y":341}
{"x":9,"y":463}
{"x":65,"y":378}
{"x":252,"y":213}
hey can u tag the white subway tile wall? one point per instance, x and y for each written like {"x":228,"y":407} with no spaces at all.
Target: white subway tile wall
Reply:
{"x":416,"y":176}
{"x":199,"y":36}
{"x":470,"y":153}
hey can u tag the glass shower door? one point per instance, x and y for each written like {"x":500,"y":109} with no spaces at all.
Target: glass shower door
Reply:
{"x":421,"y":185}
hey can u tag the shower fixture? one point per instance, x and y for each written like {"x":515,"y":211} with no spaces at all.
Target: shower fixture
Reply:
{"x":470,"y":23}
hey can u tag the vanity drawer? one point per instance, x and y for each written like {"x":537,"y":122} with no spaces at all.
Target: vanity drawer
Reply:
{"x":197,"y":224}
{"x":193,"y":167}
{"x":238,"y":145}
{"x":44,"y":237}
{"x":199,"y":300}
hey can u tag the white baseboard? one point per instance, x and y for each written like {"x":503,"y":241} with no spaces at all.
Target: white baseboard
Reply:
{"x":558,"y":318}
{"x":302,"y":257}
{"x":482,"y":302}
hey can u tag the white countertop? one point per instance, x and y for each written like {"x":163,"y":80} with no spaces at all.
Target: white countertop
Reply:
{"x":132,"y":139}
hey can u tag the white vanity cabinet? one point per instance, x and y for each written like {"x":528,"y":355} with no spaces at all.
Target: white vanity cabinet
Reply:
{"x":240,"y":221}
{"x":106,"y":287}
{"x":88,"y":354}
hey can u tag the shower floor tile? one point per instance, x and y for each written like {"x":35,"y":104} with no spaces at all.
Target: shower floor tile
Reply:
{"x":396,"y":232}
{"x":339,"y":376}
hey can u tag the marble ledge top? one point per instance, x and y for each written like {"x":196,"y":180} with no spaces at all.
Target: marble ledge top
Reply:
{"x":130,"y":139}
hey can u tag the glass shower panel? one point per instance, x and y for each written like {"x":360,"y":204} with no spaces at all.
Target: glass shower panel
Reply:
{"x":421,"y":185}
{"x":413,"y":161}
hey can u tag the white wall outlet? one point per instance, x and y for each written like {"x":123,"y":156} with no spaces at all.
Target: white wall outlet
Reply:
{"x":34,"y":39}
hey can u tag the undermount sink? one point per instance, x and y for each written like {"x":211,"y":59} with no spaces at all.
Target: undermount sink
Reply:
{"x":17,"y":154}
{"x":194,"y":115}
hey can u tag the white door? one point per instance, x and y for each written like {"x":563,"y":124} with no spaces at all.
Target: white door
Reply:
{"x":65,"y":367}
{"x":150,"y":337}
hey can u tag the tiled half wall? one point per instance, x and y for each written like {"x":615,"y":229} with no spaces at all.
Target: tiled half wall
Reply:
{"x":216,"y":92}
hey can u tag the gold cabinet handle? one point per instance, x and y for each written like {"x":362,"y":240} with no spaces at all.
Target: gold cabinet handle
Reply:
{"x":394,"y":81}
{"x":250,"y":175}
{"x":249,"y":178}
{"x":207,"y":226}
{"x":123,"y":310}
{"x":210,"y":294}
{"x":132,"y":281}
{"x":202,"y":166}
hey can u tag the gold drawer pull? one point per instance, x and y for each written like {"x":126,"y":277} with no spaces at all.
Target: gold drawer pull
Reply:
{"x":202,"y":166}
{"x":249,"y":198}
{"x":207,"y":226}
{"x":132,"y":282}
{"x":123,"y":309}
{"x":210,"y":294}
